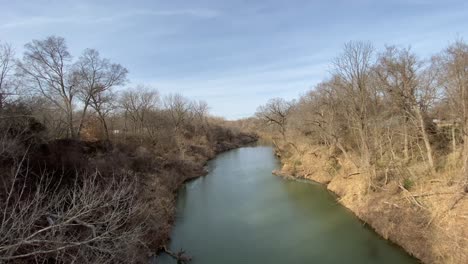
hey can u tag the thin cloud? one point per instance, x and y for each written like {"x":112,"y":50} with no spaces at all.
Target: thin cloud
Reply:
{"x":89,"y":20}
{"x":196,"y":13}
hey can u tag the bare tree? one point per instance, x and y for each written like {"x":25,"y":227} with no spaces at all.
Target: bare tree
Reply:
{"x":200,"y":110}
{"x":398,"y":72}
{"x":322,"y":117}
{"x":96,"y":77}
{"x":453,"y":76}
{"x":138,"y":103}
{"x":178,"y":108}
{"x":46,"y":65}
{"x":275,"y":112}
{"x":353,"y":70}
{"x":6,"y":66}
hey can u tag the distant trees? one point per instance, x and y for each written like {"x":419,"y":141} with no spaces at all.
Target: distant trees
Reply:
{"x":275,"y":112}
{"x":386,"y":108}
{"x":200,"y":111}
{"x":178,"y":108}
{"x":137,"y":104}
{"x":76,"y":98}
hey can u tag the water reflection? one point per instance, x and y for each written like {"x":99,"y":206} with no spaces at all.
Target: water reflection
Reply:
{"x":240,"y":213}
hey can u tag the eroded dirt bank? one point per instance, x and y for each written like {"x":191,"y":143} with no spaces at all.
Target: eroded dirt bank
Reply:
{"x":426,"y":216}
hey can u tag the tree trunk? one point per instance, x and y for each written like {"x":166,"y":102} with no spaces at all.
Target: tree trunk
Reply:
{"x":465,"y":161}
{"x":364,"y":147}
{"x":104,"y":125}
{"x":70,"y":122}
{"x":425,"y":137}
{"x":454,"y":139}
{"x":405,"y":139}
{"x":83,"y":115}
{"x":343,"y":150}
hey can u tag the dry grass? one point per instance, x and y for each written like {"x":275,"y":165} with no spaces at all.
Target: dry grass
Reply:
{"x":429,"y":220}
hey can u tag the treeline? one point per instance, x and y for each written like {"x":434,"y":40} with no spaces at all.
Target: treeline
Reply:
{"x":387,"y":132}
{"x":78,"y":98}
{"x":386,"y":107}
{"x":88,"y":174}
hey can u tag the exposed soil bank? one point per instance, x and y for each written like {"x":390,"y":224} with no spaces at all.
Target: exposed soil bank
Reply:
{"x":429,"y":219}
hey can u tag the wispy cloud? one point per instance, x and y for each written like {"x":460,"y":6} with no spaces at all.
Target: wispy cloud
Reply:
{"x":233,"y":54}
{"x":196,"y":13}
{"x":35,"y":21}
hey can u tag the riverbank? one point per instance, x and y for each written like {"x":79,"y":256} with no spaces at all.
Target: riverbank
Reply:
{"x":426,"y":216}
{"x":240,"y":205}
{"x":99,"y":201}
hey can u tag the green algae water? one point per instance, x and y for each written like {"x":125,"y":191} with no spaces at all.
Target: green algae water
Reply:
{"x":241,"y":213}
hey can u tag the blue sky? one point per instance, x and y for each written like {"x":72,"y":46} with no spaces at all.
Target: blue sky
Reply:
{"x":233,"y":54}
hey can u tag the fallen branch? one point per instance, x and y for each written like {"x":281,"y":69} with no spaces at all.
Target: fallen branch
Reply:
{"x":430,"y":194}
{"x":392,"y":204}
{"x":456,"y":201}
{"x":411,"y":198}
{"x":352,"y":174}
{"x":180,"y":256}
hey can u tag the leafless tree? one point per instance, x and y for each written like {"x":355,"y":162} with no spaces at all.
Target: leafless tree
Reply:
{"x":276,"y":112}
{"x":6,"y":67}
{"x":178,"y":108}
{"x":322,"y":117}
{"x":137,"y":103}
{"x":400,"y":73}
{"x":96,"y":77}
{"x":200,"y":110}
{"x":353,"y":70}
{"x":46,"y":67}
{"x":453,"y":76}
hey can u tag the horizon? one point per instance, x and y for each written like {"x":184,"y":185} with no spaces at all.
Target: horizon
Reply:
{"x":234,"y":56}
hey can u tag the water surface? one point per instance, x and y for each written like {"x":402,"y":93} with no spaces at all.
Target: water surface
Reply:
{"x":241,"y":213}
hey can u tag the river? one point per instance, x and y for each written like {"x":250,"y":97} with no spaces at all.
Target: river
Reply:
{"x":241,"y":213}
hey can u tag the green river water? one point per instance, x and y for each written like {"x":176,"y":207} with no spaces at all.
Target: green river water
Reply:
{"x":241,"y":213}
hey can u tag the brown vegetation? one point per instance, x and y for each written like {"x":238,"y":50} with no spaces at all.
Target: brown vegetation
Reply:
{"x":89,"y":175}
{"x":387,"y":132}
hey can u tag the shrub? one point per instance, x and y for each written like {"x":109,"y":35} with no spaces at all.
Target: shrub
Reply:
{"x":90,"y":222}
{"x":408,"y":183}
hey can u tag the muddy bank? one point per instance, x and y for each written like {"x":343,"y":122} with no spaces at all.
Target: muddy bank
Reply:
{"x":427,"y":217}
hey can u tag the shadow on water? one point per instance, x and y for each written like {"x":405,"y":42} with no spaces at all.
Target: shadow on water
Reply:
{"x":241,"y":213}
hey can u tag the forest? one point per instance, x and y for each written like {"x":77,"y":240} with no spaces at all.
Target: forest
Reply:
{"x":89,"y":170}
{"x":388,"y":132}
